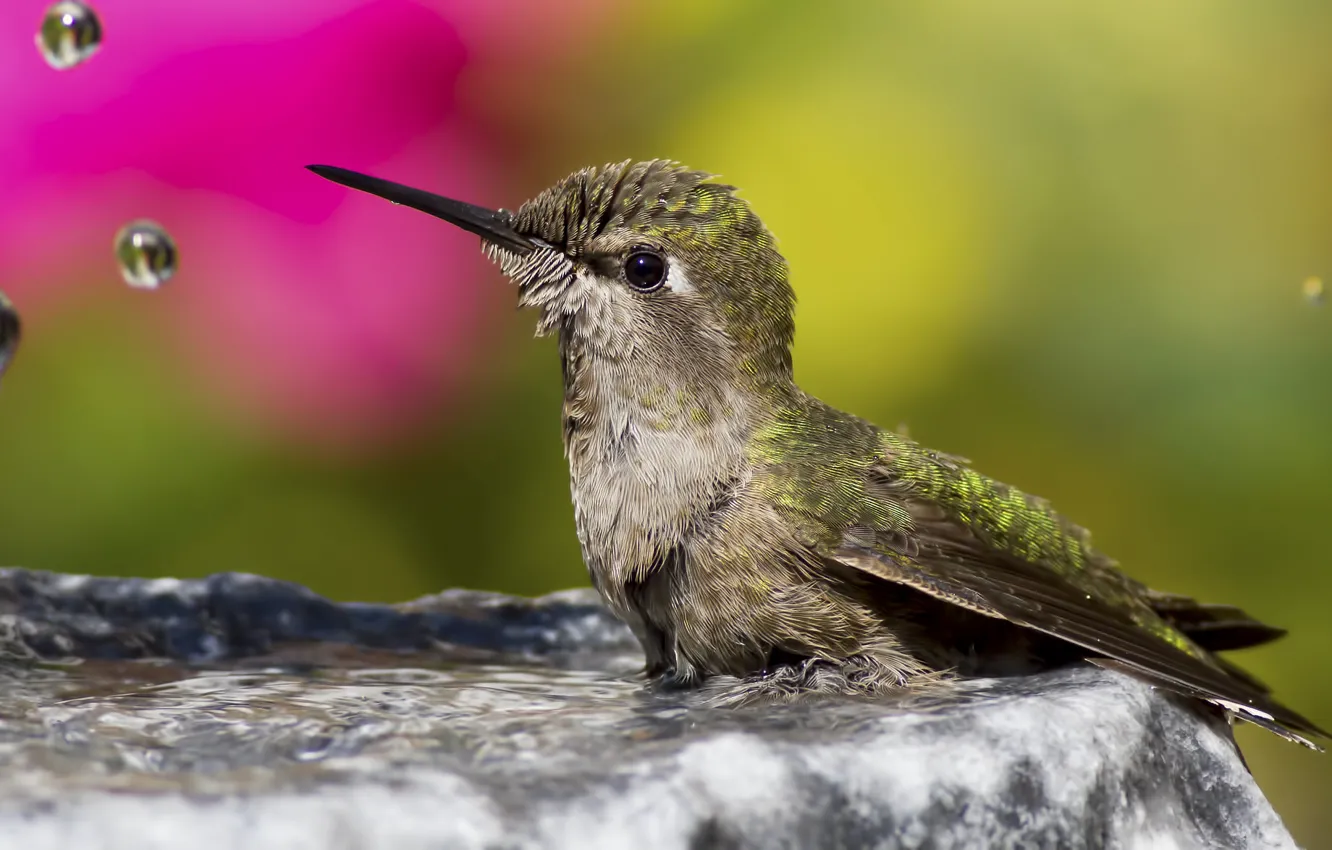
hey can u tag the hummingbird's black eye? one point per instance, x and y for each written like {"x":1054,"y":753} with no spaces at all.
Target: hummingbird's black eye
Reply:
{"x":645,"y":270}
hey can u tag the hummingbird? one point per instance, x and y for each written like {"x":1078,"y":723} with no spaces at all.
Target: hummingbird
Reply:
{"x":743,"y":528}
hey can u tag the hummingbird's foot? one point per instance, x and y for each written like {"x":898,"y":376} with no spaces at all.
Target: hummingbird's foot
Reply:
{"x":678,"y":679}
{"x":798,"y":678}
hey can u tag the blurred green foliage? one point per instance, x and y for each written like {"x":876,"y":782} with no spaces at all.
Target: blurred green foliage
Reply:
{"x":1064,"y":240}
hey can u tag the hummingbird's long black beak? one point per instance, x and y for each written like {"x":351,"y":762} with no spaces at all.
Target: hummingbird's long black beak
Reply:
{"x":488,"y":224}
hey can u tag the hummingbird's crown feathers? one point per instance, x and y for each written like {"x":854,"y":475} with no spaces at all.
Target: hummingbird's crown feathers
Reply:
{"x":652,"y":197}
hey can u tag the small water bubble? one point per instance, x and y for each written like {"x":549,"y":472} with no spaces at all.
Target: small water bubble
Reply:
{"x":9,"y":331}
{"x":1314,"y":291}
{"x":70,"y":33}
{"x":146,"y":254}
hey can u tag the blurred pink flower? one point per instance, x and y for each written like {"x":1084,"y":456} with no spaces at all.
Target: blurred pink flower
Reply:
{"x":318,"y":307}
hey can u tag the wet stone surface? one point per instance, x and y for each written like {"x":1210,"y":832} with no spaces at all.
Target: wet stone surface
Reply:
{"x":243,"y":712}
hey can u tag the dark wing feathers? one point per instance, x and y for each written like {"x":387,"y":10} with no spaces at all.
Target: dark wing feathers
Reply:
{"x":963,"y":570}
{"x":1243,"y":675}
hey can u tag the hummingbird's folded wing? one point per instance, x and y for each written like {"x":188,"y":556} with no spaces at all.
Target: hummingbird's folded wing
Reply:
{"x":988,"y":548}
{"x":1003,"y":588}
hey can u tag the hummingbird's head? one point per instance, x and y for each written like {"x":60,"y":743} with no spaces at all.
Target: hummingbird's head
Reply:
{"x":647,"y":264}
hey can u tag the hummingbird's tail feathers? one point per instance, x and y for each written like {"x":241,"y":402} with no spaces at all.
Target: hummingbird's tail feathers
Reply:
{"x":1216,"y":628}
{"x":1277,"y":719}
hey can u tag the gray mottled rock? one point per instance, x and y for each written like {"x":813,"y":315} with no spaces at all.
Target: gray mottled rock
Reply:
{"x":237,"y":711}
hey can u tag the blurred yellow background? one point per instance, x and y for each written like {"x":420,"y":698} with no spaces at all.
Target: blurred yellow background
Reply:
{"x":1066,"y":241}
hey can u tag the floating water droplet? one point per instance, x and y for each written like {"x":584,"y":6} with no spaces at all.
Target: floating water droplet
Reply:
{"x":146,"y":254}
{"x":1314,"y":291}
{"x":69,"y":34}
{"x":9,"y":331}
